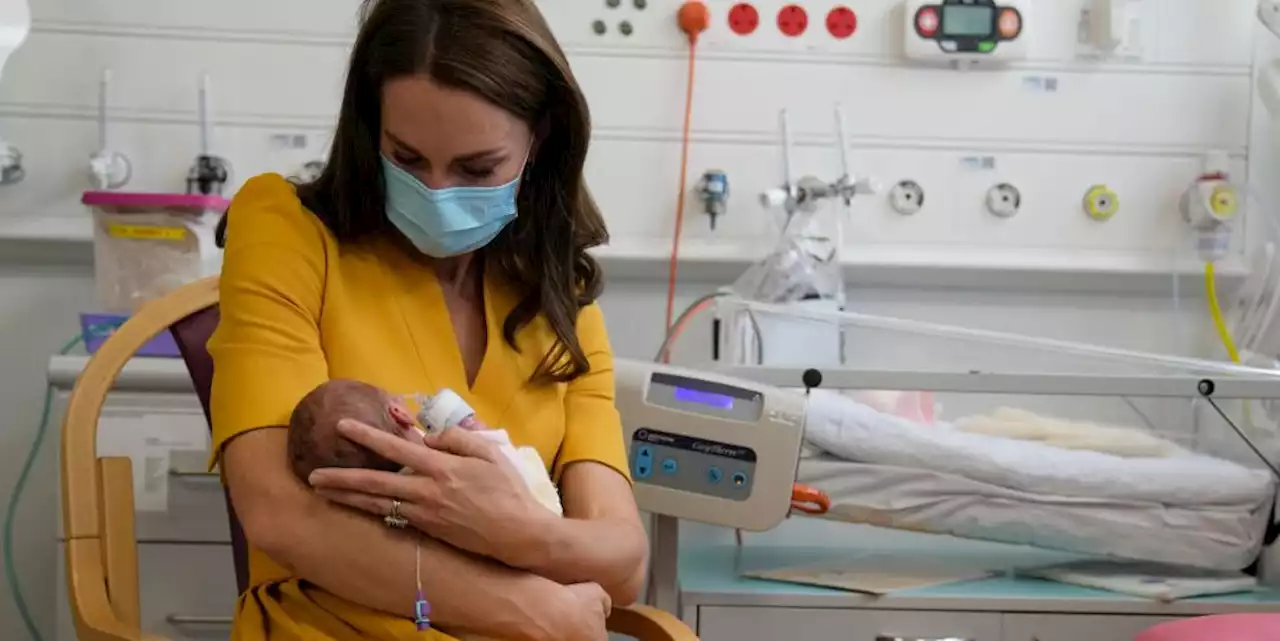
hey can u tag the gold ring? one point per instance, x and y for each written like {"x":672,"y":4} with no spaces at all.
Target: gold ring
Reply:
{"x":394,"y":519}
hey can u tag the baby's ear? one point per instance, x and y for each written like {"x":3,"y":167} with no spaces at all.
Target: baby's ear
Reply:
{"x":403,"y":418}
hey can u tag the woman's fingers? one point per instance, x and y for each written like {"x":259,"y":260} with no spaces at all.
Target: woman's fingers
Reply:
{"x":374,"y":482}
{"x":463,"y":443}
{"x":379,"y":506}
{"x":390,"y":446}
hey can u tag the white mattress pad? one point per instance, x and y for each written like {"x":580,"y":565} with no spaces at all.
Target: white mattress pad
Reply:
{"x":840,"y":426}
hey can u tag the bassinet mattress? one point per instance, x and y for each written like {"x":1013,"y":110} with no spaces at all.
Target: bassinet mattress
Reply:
{"x":1219,"y":537}
{"x":848,"y":430}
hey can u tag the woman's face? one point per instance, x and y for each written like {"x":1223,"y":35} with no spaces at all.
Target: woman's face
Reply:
{"x":450,"y":138}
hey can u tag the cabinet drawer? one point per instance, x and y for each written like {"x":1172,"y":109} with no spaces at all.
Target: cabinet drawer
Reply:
{"x":718,"y":623}
{"x":195,"y":508}
{"x":1060,"y":627}
{"x":188,"y":592}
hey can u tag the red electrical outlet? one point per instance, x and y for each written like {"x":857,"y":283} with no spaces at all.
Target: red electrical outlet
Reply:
{"x":842,"y":22}
{"x":793,"y":20}
{"x":743,"y":19}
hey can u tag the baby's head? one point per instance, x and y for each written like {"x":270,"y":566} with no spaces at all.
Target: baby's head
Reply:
{"x":314,"y":440}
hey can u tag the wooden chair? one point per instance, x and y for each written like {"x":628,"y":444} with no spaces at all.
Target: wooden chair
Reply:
{"x":97,"y":493}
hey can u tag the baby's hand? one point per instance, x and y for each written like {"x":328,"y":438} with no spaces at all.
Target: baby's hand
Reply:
{"x":471,"y":423}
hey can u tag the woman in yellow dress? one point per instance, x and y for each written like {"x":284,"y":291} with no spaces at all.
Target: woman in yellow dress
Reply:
{"x":444,"y":246}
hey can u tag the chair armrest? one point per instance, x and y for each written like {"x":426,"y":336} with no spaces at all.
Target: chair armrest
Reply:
{"x":649,"y":624}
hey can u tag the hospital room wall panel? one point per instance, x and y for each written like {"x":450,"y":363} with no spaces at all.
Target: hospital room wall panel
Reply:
{"x":954,"y":217}
{"x":1052,"y":230}
{"x":1016,"y":108}
{"x":1174,"y":32}
{"x":1026,"y":108}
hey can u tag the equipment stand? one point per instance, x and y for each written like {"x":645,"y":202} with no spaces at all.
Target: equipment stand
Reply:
{"x":664,"y":558}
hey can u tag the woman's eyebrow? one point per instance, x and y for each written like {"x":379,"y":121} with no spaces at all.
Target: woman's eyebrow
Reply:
{"x":404,"y":145}
{"x":479,"y":155}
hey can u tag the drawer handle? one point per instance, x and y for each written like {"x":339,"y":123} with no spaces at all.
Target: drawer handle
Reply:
{"x":886,"y":637}
{"x":180,"y":619}
{"x":176,"y":473}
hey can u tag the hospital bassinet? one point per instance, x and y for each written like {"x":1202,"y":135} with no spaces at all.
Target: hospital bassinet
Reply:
{"x":1006,"y":438}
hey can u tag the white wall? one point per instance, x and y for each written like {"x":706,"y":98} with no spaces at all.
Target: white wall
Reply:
{"x":1137,"y":125}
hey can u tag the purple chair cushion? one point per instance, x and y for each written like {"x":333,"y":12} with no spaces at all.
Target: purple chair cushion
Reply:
{"x":192,"y":335}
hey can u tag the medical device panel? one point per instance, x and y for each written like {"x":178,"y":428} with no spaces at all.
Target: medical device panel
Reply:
{"x":709,"y":448}
{"x":966,"y":30}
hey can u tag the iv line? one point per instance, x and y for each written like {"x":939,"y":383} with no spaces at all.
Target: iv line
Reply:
{"x":10,"y":572}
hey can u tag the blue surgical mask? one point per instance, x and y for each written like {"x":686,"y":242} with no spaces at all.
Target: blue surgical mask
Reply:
{"x":447,"y":222}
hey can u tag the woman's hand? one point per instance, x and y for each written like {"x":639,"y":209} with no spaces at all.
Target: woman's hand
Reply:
{"x":464,"y":492}
{"x":591,"y":605}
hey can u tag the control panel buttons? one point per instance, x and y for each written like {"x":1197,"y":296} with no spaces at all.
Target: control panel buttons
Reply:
{"x":669,"y":466}
{"x":714,"y":475}
{"x":739,"y":478}
{"x":927,"y":22}
{"x":644,"y":463}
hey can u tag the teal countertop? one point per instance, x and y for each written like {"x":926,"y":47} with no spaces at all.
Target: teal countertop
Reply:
{"x":711,"y":575}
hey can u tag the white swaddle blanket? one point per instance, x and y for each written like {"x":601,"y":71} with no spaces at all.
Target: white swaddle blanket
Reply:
{"x":447,"y":410}
{"x":1127,"y":442}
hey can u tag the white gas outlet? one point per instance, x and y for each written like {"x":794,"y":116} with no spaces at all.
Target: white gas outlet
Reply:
{"x":907,"y":197}
{"x":1004,"y":200}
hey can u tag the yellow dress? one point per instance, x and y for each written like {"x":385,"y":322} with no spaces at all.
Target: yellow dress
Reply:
{"x":297,"y":309}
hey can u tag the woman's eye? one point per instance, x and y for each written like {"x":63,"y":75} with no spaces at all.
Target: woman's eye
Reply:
{"x":406,"y":161}
{"x":477,"y":173}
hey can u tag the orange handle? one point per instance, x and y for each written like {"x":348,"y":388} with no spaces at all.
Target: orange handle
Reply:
{"x":809,"y":500}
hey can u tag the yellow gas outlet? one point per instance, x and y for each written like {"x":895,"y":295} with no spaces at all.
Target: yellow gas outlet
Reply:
{"x":1101,"y":202}
{"x":1223,"y":202}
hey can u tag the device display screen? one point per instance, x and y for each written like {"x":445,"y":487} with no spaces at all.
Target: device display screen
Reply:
{"x":967,"y":20}
{"x":700,"y":397}
{"x":704,"y":397}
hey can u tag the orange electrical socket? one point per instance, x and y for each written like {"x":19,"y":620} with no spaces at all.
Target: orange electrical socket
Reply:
{"x":793,"y":20}
{"x":842,"y":22}
{"x":743,"y":19}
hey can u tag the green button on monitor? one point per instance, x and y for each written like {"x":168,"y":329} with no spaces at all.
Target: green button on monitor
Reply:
{"x":986,"y":47}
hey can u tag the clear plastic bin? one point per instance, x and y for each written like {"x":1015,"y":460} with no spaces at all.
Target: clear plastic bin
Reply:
{"x":146,"y":245}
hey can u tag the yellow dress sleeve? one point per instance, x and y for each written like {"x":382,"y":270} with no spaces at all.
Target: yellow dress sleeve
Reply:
{"x":266,"y":350}
{"x":593,"y":428}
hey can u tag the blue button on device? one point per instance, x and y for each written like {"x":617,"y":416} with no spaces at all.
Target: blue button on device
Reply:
{"x":644,"y":463}
{"x":669,"y":466}
{"x":714,"y":475}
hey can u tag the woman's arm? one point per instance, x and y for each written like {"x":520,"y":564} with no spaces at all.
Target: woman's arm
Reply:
{"x":600,"y":539}
{"x":357,"y":558}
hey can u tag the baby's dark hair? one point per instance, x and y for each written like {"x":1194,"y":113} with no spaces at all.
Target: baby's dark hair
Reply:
{"x":314,"y":440}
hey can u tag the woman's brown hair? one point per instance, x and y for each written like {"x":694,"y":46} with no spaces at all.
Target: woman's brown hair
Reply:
{"x":504,"y":52}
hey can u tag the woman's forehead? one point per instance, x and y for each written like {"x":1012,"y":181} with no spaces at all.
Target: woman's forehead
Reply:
{"x":439,"y":121}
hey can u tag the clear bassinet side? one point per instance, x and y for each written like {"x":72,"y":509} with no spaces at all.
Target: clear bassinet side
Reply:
{"x":1087,"y":449}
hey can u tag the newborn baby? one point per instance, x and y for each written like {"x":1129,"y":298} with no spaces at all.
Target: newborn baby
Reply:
{"x":314,"y":440}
